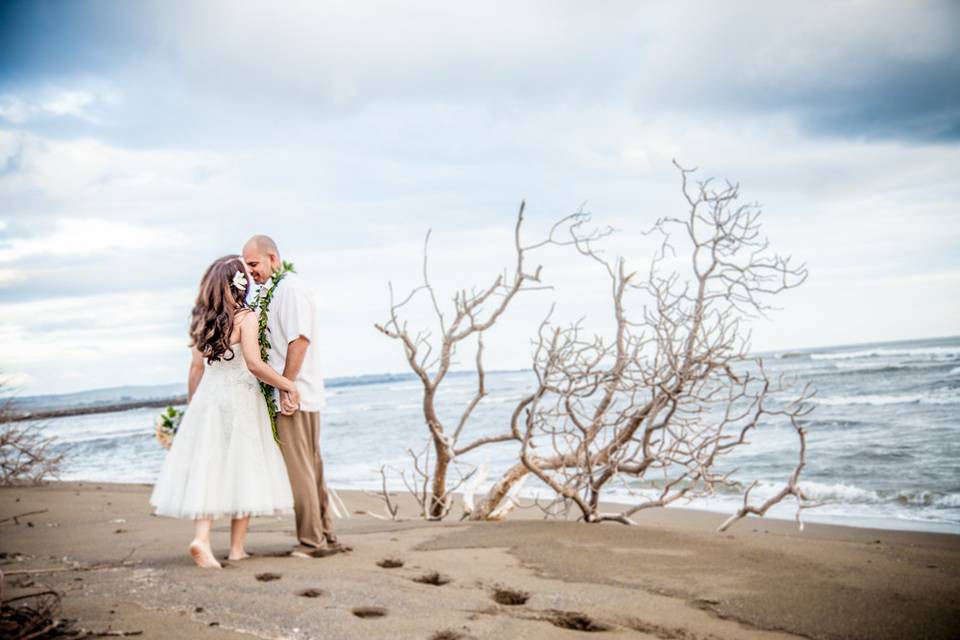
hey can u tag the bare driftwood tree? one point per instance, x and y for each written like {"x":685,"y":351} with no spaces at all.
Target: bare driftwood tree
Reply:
{"x":656,"y":407}
{"x":391,"y":509}
{"x":26,"y":455}
{"x":430,"y":354}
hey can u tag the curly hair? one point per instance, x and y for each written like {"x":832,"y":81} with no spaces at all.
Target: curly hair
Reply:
{"x":218,"y":301}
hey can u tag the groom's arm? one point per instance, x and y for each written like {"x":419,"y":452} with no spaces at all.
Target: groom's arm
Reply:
{"x":296,"y":316}
{"x":296,"y":352}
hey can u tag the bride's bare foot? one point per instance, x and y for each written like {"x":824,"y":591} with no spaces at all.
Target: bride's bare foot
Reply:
{"x":203,"y":556}
{"x":243,"y":555}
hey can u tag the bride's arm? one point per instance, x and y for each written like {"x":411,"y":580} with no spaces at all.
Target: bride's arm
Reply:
{"x":196,"y":372}
{"x":250,"y":346}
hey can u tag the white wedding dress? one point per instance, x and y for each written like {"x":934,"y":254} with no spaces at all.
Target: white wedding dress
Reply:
{"x":223,"y":461}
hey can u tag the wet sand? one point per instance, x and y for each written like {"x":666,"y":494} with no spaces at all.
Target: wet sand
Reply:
{"x":673,"y":576}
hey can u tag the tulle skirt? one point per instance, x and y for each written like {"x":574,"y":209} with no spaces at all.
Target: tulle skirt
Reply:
{"x":224,"y":461}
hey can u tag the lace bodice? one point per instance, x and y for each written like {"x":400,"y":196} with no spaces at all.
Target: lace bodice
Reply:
{"x":233,"y":371}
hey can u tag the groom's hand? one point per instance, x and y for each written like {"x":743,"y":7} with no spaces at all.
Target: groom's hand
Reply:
{"x":287,"y":404}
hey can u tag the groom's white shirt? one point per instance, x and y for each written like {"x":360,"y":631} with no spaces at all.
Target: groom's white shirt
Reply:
{"x":293,"y":313}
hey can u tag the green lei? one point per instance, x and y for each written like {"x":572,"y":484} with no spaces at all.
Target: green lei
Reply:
{"x":262,"y":303}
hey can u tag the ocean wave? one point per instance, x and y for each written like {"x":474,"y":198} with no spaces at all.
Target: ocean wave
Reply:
{"x":842,"y":493}
{"x":850,"y":367}
{"x":835,"y":500}
{"x":386,"y":406}
{"x":96,"y":441}
{"x":954,"y":372}
{"x":834,"y":423}
{"x":885,"y":399}
{"x":949,"y":352}
{"x":839,"y":492}
{"x":948,"y":500}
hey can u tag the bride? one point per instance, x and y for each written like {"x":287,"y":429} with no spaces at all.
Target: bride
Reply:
{"x":224,"y":462}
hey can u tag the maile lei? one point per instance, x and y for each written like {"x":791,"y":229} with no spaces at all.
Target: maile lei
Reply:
{"x":262,"y":304}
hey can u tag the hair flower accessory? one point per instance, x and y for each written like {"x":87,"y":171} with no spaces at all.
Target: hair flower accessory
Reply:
{"x":240,"y":280}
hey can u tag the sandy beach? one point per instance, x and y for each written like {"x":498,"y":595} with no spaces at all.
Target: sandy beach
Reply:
{"x":122,"y":569}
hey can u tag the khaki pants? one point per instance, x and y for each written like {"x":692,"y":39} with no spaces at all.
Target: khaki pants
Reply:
{"x":300,"y":446}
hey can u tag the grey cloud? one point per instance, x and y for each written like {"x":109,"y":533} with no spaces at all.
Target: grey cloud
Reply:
{"x":47,"y":276}
{"x":10,"y":163}
{"x":882,"y":70}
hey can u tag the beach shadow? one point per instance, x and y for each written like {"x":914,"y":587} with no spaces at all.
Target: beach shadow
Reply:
{"x":331,"y":550}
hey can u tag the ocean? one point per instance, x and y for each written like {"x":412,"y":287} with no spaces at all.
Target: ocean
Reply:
{"x":883,"y":439}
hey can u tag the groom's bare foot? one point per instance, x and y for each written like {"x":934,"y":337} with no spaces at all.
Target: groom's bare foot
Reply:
{"x":242,"y":555}
{"x":203,"y":556}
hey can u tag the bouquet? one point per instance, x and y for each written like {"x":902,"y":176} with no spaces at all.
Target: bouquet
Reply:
{"x":166,"y":425}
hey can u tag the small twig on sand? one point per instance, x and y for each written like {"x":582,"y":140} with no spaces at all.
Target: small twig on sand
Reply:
{"x":22,"y":515}
{"x":96,"y":567}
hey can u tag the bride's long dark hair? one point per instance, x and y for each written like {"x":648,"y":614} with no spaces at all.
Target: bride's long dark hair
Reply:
{"x":217,"y":303}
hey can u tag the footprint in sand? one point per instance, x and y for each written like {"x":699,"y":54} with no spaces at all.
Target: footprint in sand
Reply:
{"x":390,"y":563}
{"x":267,"y":577}
{"x":312,"y":593}
{"x":510,"y":597}
{"x":369,"y":612}
{"x":449,"y":634}
{"x":575,"y":621}
{"x":434,"y":578}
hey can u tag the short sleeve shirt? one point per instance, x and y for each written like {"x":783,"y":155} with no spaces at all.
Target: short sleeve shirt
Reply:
{"x":293,"y":313}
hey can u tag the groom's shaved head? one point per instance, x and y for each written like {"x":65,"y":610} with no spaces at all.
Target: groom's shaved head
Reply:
{"x":262,"y":257}
{"x":263,"y":244}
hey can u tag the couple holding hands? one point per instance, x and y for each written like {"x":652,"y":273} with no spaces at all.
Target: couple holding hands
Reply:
{"x":231,"y":457}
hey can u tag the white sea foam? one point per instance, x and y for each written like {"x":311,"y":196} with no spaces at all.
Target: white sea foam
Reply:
{"x":854,"y":366}
{"x":838,"y":492}
{"x":949,"y":500}
{"x":841,"y":495}
{"x":818,"y":491}
{"x":839,"y":503}
{"x":862,"y":366}
{"x":844,"y":493}
{"x":936,"y":352}
{"x":893,"y":398}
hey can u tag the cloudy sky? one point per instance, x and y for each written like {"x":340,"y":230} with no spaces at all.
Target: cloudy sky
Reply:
{"x":141,"y":140}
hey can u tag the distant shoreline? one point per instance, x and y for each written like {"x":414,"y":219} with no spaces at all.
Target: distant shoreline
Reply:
{"x":100,"y":408}
{"x":111,"y":399}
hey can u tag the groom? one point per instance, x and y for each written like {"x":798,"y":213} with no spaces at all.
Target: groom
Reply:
{"x":292,"y":330}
